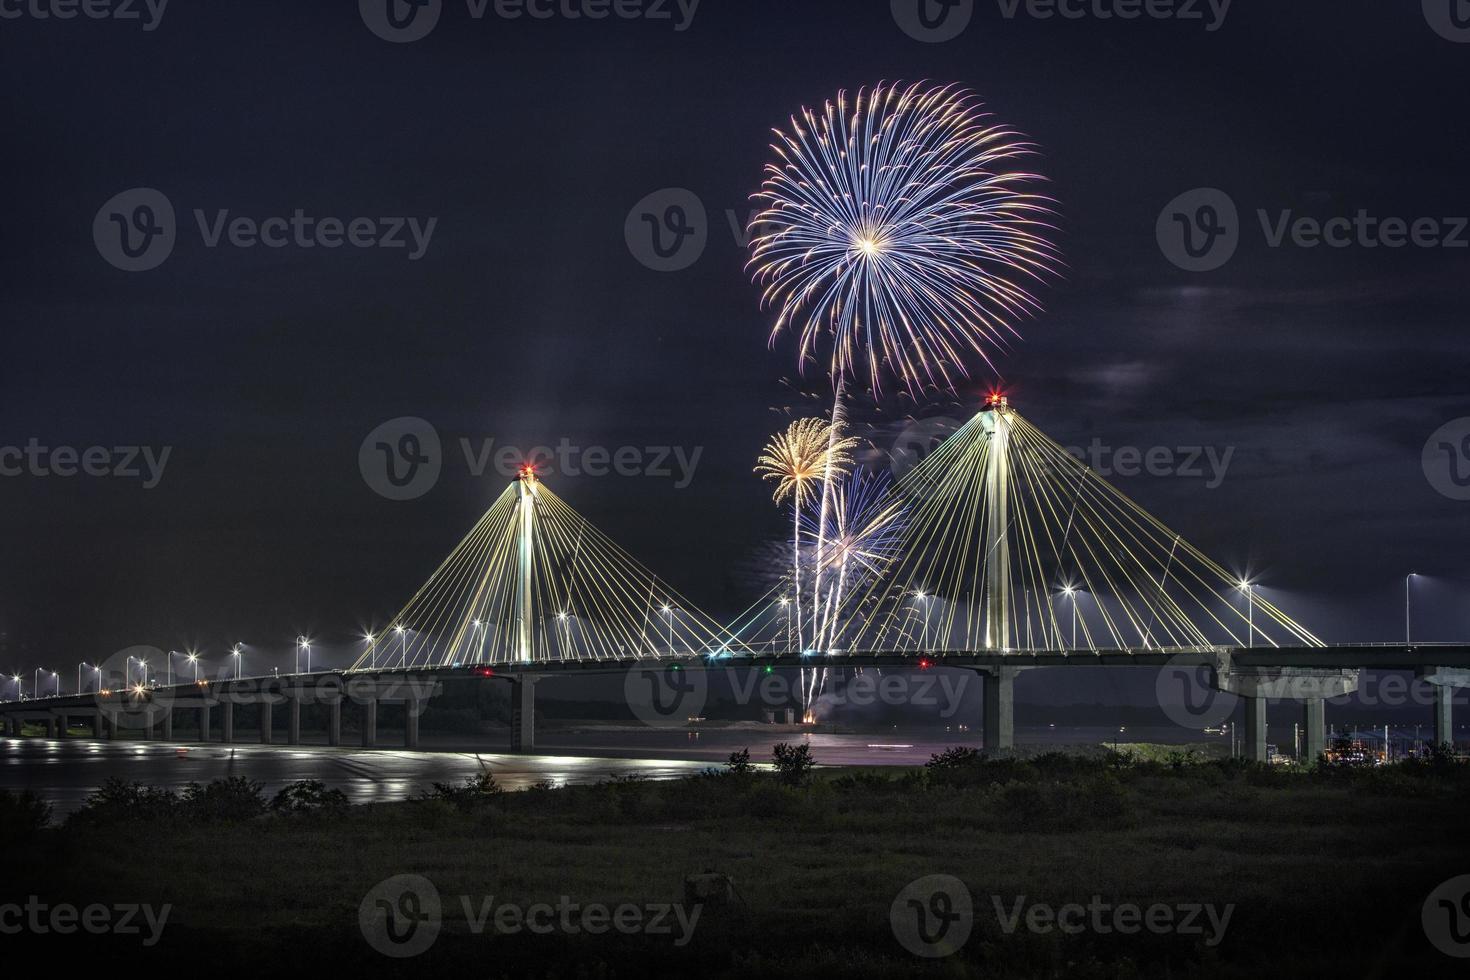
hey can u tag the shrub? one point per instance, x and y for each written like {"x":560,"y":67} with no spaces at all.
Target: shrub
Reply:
{"x":306,"y":796}
{"x":22,"y":815}
{"x":954,"y":758}
{"x":739,"y":763}
{"x":793,"y":762}
{"x":466,"y":795}
{"x":118,"y":801}
{"x":229,"y":799}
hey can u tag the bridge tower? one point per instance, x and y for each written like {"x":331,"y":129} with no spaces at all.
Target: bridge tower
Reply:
{"x":526,"y":545}
{"x":997,"y":422}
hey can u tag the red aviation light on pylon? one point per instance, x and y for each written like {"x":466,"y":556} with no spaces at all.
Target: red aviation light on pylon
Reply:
{"x":997,"y":400}
{"x":527,"y":472}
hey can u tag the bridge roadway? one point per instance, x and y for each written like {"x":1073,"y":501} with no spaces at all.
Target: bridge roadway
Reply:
{"x":1256,"y":674}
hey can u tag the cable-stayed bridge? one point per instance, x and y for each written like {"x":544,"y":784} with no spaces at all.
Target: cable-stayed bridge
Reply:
{"x":999,"y":552}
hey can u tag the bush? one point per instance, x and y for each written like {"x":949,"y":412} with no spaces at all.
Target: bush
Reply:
{"x":22,"y":815}
{"x":123,"y":802}
{"x":470,"y":793}
{"x":229,"y":799}
{"x":739,"y":763}
{"x":307,"y":796}
{"x":793,"y":762}
{"x":958,"y":757}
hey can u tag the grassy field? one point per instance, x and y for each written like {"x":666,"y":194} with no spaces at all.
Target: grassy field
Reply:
{"x":1327,"y":871}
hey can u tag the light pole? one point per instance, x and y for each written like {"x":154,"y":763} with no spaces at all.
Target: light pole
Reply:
{"x":79,"y":675}
{"x":1071,"y":593}
{"x":1249,"y":588}
{"x":669,"y":618}
{"x":1408,"y":623}
{"x":235,"y":652}
{"x":786,"y":604}
{"x":20,"y":691}
{"x":303,"y":645}
{"x":36,"y":683}
{"x":402,"y":644}
{"x":372,"y":642}
{"x":194,"y":659}
{"x":923,"y":597}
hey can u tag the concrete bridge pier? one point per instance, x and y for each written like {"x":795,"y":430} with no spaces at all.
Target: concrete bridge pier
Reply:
{"x":56,"y":727}
{"x":334,"y":722}
{"x":204,"y":722}
{"x":168,"y":723}
{"x":1310,"y":685}
{"x":411,"y":708}
{"x":97,"y":725}
{"x":999,"y":691}
{"x":112,"y":725}
{"x":1314,"y":727}
{"x":370,"y":722}
{"x":267,"y":721}
{"x":227,"y":722}
{"x":150,"y":723}
{"x":1445,"y":681}
{"x":523,"y":712}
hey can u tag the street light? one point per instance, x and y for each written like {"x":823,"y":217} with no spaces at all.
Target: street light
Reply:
{"x":668,"y":612}
{"x":194,"y":659}
{"x":303,"y":645}
{"x":786,"y":604}
{"x":20,"y":691}
{"x":235,"y":652}
{"x":36,"y":683}
{"x":1408,"y":632}
{"x":372,"y":642}
{"x":402,"y":645}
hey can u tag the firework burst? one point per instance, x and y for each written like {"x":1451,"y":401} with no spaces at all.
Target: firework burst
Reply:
{"x":895,"y":223}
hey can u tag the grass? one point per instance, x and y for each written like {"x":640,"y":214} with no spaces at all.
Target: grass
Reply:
{"x":1327,"y":871}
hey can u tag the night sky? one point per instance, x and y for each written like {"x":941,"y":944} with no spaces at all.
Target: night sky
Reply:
{"x":528,"y":319}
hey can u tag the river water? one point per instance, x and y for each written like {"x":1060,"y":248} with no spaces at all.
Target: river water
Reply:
{"x":65,"y":772}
